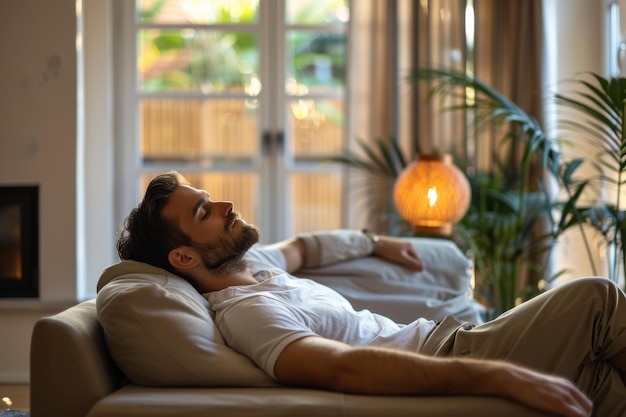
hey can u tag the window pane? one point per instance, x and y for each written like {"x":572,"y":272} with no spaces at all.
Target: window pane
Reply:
{"x":196,"y":130}
{"x":316,"y":201}
{"x":197,"y":60}
{"x":317,"y":12}
{"x":239,"y":187}
{"x":197,"y":11}
{"x":315,"y":62}
{"x":317,"y":127}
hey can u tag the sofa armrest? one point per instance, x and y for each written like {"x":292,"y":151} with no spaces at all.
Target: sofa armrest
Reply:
{"x":70,"y":367}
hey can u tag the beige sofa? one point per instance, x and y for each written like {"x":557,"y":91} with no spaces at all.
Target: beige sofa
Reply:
{"x":74,"y":374}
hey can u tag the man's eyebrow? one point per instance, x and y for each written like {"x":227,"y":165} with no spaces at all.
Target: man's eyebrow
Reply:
{"x":197,"y":206}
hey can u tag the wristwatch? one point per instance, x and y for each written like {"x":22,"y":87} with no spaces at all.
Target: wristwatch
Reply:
{"x":373,"y":237}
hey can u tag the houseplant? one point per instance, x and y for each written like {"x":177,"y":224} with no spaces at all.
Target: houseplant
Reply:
{"x":596,"y":118}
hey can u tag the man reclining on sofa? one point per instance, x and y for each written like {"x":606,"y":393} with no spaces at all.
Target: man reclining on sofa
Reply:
{"x":302,"y":333}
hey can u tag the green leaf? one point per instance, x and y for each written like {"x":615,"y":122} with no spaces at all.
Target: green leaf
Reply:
{"x":168,"y":41}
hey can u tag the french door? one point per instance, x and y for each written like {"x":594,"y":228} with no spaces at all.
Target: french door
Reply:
{"x":245,"y":98}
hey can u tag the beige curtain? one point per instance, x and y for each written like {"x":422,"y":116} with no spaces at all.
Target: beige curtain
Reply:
{"x":508,"y":55}
{"x":372,"y":68}
{"x":505,"y":51}
{"x":372,"y":104}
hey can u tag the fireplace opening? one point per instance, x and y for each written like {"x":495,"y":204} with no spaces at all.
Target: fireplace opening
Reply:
{"x":19,"y":242}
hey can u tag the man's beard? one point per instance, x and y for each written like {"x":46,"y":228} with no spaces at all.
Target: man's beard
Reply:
{"x":226,"y":255}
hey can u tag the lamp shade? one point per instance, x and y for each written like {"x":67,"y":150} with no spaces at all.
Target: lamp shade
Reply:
{"x":432,"y":193}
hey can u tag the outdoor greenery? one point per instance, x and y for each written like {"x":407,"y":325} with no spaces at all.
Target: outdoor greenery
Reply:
{"x":206,"y":59}
{"x":514,"y":219}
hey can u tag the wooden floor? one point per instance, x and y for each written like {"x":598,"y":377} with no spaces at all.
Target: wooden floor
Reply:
{"x":15,"y":397}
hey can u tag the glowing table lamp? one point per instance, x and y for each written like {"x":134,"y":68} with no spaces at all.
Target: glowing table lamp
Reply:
{"x":432,"y":194}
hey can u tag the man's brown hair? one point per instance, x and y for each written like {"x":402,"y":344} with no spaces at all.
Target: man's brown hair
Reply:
{"x":146,"y":236}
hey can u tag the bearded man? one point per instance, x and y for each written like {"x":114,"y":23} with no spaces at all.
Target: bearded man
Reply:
{"x":305,"y":334}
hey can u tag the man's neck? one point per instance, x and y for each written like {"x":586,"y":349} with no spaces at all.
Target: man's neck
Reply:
{"x":215,"y":280}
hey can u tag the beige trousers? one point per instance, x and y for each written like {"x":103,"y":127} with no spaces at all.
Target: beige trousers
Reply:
{"x":570,"y":331}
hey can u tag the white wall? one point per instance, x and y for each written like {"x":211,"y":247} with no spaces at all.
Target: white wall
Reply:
{"x":38,"y":146}
{"x":96,"y":195}
{"x":56,"y":131}
{"x":575,"y":45}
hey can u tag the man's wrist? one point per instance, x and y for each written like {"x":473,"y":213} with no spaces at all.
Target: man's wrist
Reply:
{"x":373,"y":238}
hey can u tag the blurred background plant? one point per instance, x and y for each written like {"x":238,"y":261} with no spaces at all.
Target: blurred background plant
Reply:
{"x":595,"y":118}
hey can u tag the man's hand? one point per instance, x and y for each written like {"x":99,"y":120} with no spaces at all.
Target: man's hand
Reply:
{"x":399,"y":251}
{"x":545,"y":392}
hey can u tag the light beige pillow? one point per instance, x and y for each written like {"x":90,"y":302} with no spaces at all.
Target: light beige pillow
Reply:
{"x":441,"y":289}
{"x":160,"y":331}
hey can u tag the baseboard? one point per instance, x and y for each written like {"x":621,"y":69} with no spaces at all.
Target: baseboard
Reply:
{"x":14,"y":378}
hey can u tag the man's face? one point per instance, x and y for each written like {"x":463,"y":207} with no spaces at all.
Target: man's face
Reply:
{"x":218,"y":233}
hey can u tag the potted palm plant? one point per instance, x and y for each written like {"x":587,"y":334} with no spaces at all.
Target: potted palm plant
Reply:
{"x":596,"y":118}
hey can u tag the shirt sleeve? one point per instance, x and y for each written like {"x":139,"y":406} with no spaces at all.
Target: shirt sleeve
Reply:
{"x":260,"y":328}
{"x":327,"y":248}
{"x":266,"y":257}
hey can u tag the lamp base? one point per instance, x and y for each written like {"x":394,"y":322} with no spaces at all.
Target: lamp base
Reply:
{"x":443,"y":230}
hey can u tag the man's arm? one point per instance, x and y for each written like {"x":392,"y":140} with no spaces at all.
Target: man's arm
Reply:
{"x":294,"y":252}
{"x":321,"y":363}
{"x":400,"y":251}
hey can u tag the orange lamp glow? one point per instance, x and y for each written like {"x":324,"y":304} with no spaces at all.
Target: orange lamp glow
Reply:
{"x":432,"y":194}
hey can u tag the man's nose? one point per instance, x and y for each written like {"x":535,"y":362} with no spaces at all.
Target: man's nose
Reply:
{"x":226,"y":206}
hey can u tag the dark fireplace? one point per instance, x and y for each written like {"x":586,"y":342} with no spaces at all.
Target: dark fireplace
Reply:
{"x":19,"y":242}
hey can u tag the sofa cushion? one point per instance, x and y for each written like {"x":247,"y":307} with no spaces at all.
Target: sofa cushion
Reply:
{"x":160,"y":331}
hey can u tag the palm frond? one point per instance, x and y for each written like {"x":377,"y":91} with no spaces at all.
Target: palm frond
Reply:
{"x":491,"y":108}
{"x":379,"y":158}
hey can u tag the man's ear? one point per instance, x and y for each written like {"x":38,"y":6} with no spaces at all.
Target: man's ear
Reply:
{"x":183,"y":258}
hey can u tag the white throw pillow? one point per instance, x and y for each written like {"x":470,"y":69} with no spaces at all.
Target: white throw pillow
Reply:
{"x":441,"y":289}
{"x":160,"y":331}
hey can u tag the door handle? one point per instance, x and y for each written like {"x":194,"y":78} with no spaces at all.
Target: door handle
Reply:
{"x":272,"y":141}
